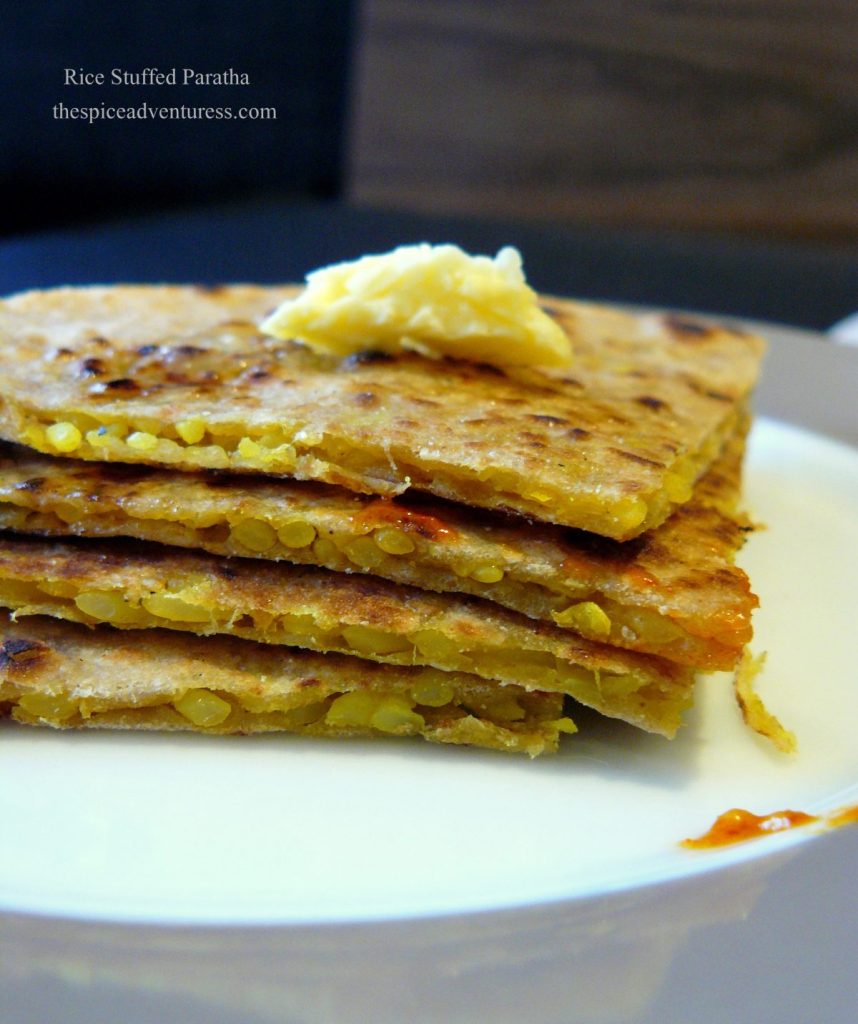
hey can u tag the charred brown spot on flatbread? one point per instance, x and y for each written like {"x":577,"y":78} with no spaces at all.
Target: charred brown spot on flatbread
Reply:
{"x":211,"y":289}
{"x":560,"y":315}
{"x":641,"y":460}
{"x":114,"y":472}
{"x":92,"y":367}
{"x":218,"y":480}
{"x":117,"y":386}
{"x":490,"y":369}
{"x":368,"y":357}
{"x":687,"y":329}
{"x":649,"y":402}
{"x":18,"y":654}
{"x":545,"y":418}
{"x":35,"y":483}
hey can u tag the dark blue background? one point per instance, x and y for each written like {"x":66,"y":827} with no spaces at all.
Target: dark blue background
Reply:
{"x":223,"y":201}
{"x":269,"y":241}
{"x":56,"y":172}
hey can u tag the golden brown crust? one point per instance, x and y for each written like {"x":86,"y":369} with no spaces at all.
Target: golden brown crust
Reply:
{"x":611,"y":447}
{"x":681,"y":573}
{"x":283,"y":604}
{"x":103,"y":678}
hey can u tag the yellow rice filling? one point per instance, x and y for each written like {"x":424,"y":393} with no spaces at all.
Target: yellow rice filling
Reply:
{"x":182,"y":609}
{"x":191,"y":443}
{"x":427,"y":705}
{"x":591,"y":614}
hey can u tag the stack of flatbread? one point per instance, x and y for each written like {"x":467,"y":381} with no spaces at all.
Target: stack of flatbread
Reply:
{"x":207,"y":528}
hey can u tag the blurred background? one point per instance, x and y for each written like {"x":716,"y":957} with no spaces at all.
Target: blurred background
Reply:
{"x":59,"y":171}
{"x":719,"y":117}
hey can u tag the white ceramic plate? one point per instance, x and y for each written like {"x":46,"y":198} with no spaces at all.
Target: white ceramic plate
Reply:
{"x":281,"y":830}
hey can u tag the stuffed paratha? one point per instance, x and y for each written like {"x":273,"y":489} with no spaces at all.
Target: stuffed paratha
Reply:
{"x":67,"y":676}
{"x":138,"y":586}
{"x":183,"y":377}
{"x":674,"y":592}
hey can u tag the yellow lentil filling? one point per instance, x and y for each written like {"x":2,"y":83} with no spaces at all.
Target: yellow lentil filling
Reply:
{"x":606,"y":620}
{"x":397,"y":554}
{"x":487,"y":574}
{"x":593,"y":615}
{"x":53,"y":707}
{"x":393,"y":541}
{"x":618,"y":624}
{"x":296,"y":534}
{"x":596,"y":617}
{"x":190,"y":442}
{"x":254,"y":534}
{"x":180,"y":610}
{"x":585,"y":617}
{"x":63,"y":437}
{"x":427,"y":705}
{"x":202,"y":707}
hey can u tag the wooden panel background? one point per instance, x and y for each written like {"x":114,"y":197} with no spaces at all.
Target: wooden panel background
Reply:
{"x":736,"y":115}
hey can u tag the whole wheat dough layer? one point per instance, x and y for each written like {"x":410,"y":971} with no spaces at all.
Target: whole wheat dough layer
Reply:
{"x":133,"y":585}
{"x":674,"y":592}
{"x":64,"y":675}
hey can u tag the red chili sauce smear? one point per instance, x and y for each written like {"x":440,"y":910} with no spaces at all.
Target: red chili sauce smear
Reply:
{"x":737,"y":826}
{"x":386,"y":512}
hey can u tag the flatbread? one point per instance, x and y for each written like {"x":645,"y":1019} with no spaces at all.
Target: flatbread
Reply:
{"x":182,"y":377}
{"x":674,"y":592}
{"x":137,"y":586}
{"x":63,"y":675}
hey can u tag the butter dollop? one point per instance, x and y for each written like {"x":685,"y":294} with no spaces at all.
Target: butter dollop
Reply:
{"x":433,"y":299}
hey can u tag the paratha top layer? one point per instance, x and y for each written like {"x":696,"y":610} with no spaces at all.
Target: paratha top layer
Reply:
{"x":182,"y":376}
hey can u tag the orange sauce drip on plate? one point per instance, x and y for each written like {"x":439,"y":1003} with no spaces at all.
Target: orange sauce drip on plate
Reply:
{"x":738,"y":825}
{"x":846,"y":816}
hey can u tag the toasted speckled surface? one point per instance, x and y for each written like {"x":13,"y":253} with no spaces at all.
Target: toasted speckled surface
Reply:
{"x":120,"y":683}
{"x":279,"y":603}
{"x":682,"y":572}
{"x":649,"y":399}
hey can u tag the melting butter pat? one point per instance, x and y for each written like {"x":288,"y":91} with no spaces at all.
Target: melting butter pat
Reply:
{"x":433,"y":299}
